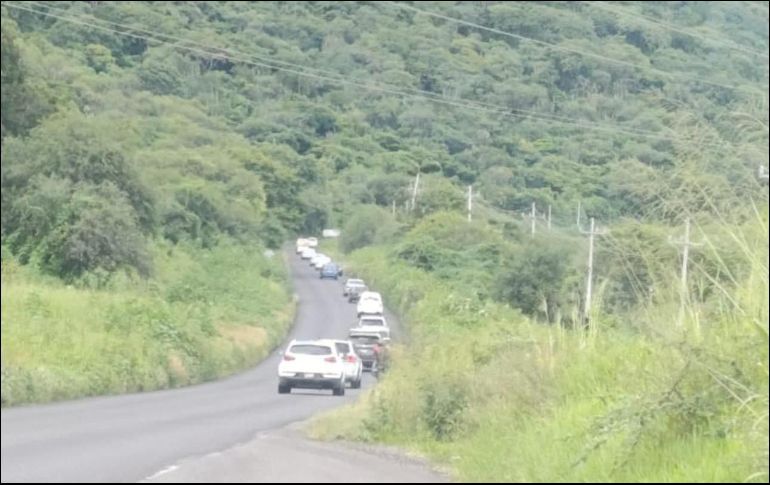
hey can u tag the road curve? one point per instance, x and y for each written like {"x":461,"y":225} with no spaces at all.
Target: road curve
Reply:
{"x":129,"y":438}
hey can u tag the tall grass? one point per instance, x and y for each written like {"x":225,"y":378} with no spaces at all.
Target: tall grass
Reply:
{"x":497,"y":397}
{"x":205,"y":314}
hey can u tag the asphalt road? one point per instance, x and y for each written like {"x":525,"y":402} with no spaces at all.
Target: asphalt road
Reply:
{"x":131,"y":438}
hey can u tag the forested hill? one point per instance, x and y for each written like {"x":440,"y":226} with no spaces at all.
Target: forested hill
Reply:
{"x":125,"y":122}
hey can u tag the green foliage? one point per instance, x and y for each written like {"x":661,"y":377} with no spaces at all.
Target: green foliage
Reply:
{"x":542,"y":278}
{"x":368,"y":225}
{"x":199,"y":319}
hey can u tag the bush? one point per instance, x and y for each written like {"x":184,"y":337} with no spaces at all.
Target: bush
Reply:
{"x":369,"y":225}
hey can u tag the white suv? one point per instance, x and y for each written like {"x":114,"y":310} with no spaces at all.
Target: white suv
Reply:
{"x":369,"y":304}
{"x":353,"y":365}
{"x":312,"y":364}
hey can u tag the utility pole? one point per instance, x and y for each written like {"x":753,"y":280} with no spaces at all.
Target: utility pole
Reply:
{"x":470,"y":202}
{"x":549,"y":217}
{"x":762,"y":173}
{"x":589,"y":279}
{"x":532,"y":218}
{"x":393,"y":207}
{"x":414,"y":192}
{"x":686,"y":243}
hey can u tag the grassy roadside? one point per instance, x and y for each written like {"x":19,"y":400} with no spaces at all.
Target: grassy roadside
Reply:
{"x":205,"y":314}
{"x":496,"y":397}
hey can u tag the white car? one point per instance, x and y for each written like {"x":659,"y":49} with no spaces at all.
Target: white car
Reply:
{"x":369,"y":304}
{"x":302,"y":243}
{"x":372,"y":321}
{"x":308,"y":253}
{"x":350,"y":283}
{"x":318,"y":257}
{"x":312,"y":364}
{"x":354,"y":367}
{"x":321,"y":262}
{"x":312,"y":242}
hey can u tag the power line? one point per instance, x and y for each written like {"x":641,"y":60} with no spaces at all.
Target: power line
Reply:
{"x":623,"y":11}
{"x":219,"y":50}
{"x":568,"y":49}
{"x":373,"y":87}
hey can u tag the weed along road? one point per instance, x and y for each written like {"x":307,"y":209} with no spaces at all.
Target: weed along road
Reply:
{"x":206,"y":432}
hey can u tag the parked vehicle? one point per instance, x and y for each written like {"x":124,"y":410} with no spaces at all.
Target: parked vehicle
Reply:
{"x":312,"y":242}
{"x":317,"y":257}
{"x":331,"y":271}
{"x":353,"y":365}
{"x":308,"y":253}
{"x":372,"y":321}
{"x":355,"y":292}
{"x":321,"y":261}
{"x":350,"y":283}
{"x":312,"y":364}
{"x":369,"y":304}
{"x":366,"y":345}
{"x":302,"y":243}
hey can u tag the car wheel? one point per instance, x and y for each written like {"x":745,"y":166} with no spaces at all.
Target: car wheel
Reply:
{"x":356,"y":384}
{"x":284,"y":389}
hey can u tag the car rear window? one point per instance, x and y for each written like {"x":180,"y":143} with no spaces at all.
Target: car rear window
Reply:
{"x":310,"y":350}
{"x":343,"y":348}
{"x":373,"y":321}
{"x":365,"y":340}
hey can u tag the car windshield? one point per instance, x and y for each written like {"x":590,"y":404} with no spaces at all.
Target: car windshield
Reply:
{"x":311,"y":349}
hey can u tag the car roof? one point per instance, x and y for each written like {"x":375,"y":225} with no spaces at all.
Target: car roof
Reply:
{"x":370,"y":294}
{"x":321,"y":342}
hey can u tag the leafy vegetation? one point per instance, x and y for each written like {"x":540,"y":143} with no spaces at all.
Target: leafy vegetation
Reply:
{"x":135,"y":130}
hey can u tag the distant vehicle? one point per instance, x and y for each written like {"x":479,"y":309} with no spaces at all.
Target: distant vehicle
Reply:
{"x":353,"y":365}
{"x":308,"y":253}
{"x":367,"y":346}
{"x":328,"y":233}
{"x":312,"y":364}
{"x":316,"y":258}
{"x":372,"y":321}
{"x":351,"y":282}
{"x":331,"y":270}
{"x":321,"y":262}
{"x":370,"y":303}
{"x":312,"y":242}
{"x":354,"y":293}
{"x":302,"y":243}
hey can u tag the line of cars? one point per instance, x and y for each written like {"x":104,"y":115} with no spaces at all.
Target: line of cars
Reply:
{"x":333,"y":363}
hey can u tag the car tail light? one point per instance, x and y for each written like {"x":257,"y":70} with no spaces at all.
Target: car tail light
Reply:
{"x":352,"y":358}
{"x":331,"y":359}
{"x":289,"y":357}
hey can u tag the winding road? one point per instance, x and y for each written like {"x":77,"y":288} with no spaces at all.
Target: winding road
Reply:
{"x":235,"y":429}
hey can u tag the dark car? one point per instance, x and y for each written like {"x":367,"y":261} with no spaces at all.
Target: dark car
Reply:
{"x":367,"y":346}
{"x":331,"y":270}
